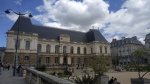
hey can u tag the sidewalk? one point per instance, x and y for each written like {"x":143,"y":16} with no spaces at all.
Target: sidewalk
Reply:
{"x":6,"y":77}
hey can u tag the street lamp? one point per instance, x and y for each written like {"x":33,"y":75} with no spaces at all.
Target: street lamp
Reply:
{"x":59,"y":50}
{"x":16,"y":44}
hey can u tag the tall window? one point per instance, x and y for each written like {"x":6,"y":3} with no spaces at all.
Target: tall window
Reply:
{"x":47,"y":60}
{"x":17,"y":44}
{"x":39,"y":60}
{"x":79,"y":61}
{"x":72,"y":60}
{"x":48,"y":48}
{"x":85,"y":60}
{"x":39,"y":47}
{"x":106,"y":50}
{"x":56,"y":49}
{"x":64,"y":49}
{"x":56,"y":59}
{"x":84,"y":50}
{"x":71,"y":49}
{"x":27,"y":45}
{"x":91,"y":50}
{"x":78,"y":50}
{"x":101,"y":47}
{"x":26,"y":58}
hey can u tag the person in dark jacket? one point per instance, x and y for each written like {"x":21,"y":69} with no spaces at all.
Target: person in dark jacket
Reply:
{"x":111,"y":81}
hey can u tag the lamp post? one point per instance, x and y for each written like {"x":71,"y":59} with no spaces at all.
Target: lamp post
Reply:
{"x":59,"y":50}
{"x":16,"y":44}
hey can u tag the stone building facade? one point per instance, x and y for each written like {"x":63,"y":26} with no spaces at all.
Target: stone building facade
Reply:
{"x":147,"y":41}
{"x":121,"y":50}
{"x":147,"y":44}
{"x":53,"y":46}
{"x":2,"y":54}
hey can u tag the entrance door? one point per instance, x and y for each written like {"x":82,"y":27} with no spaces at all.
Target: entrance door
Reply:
{"x":65,"y":61}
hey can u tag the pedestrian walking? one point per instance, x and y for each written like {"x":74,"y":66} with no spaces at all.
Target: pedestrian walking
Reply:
{"x":18,"y":69}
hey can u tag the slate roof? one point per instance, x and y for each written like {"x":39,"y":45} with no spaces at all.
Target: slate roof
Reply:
{"x":53,"y":33}
{"x":147,"y":37}
{"x":125,"y":41}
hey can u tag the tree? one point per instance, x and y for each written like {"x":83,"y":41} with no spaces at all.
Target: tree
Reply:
{"x":138,"y":61}
{"x":99,"y":65}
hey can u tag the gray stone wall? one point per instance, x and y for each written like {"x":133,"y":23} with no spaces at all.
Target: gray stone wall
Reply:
{"x":36,"y":77}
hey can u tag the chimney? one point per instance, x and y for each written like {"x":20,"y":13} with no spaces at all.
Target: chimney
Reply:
{"x":123,"y":38}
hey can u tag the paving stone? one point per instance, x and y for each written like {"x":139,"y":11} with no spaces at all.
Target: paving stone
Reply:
{"x":6,"y":77}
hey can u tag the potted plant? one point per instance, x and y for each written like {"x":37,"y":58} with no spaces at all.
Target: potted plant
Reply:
{"x":139,"y":64}
{"x":86,"y":79}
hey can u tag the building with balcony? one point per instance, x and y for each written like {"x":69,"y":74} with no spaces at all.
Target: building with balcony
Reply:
{"x":147,"y":41}
{"x":122,"y":49}
{"x":53,"y":46}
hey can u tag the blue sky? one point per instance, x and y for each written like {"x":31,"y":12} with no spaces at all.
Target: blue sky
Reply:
{"x":114,"y":18}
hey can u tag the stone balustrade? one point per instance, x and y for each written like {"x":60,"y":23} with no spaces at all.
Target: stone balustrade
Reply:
{"x":37,"y":77}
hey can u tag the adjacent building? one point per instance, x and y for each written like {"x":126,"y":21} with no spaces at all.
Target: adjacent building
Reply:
{"x":53,"y":46}
{"x":147,"y":41}
{"x":121,"y":49}
{"x":2,"y":53}
{"x":147,"y":44}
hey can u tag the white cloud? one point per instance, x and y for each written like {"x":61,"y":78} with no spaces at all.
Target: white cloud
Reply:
{"x":18,"y":2}
{"x":131,"y":20}
{"x":12,"y":16}
{"x":69,"y":13}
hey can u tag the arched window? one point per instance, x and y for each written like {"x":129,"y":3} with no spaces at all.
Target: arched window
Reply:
{"x":56,"y":49}
{"x":48,"y":48}
{"x":78,"y":50}
{"x":71,"y":50}
{"x":84,"y":50}
{"x":64,"y":49}
{"x":39,"y":48}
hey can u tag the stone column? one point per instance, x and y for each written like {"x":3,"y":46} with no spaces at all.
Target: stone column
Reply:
{"x":61,"y":60}
{"x":69,"y":60}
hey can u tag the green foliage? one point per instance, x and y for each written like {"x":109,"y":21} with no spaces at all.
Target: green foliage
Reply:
{"x":62,"y":75}
{"x":41,"y":68}
{"x":99,"y":65}
{"x":139,"y":56}
{"x":86,"y":79}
